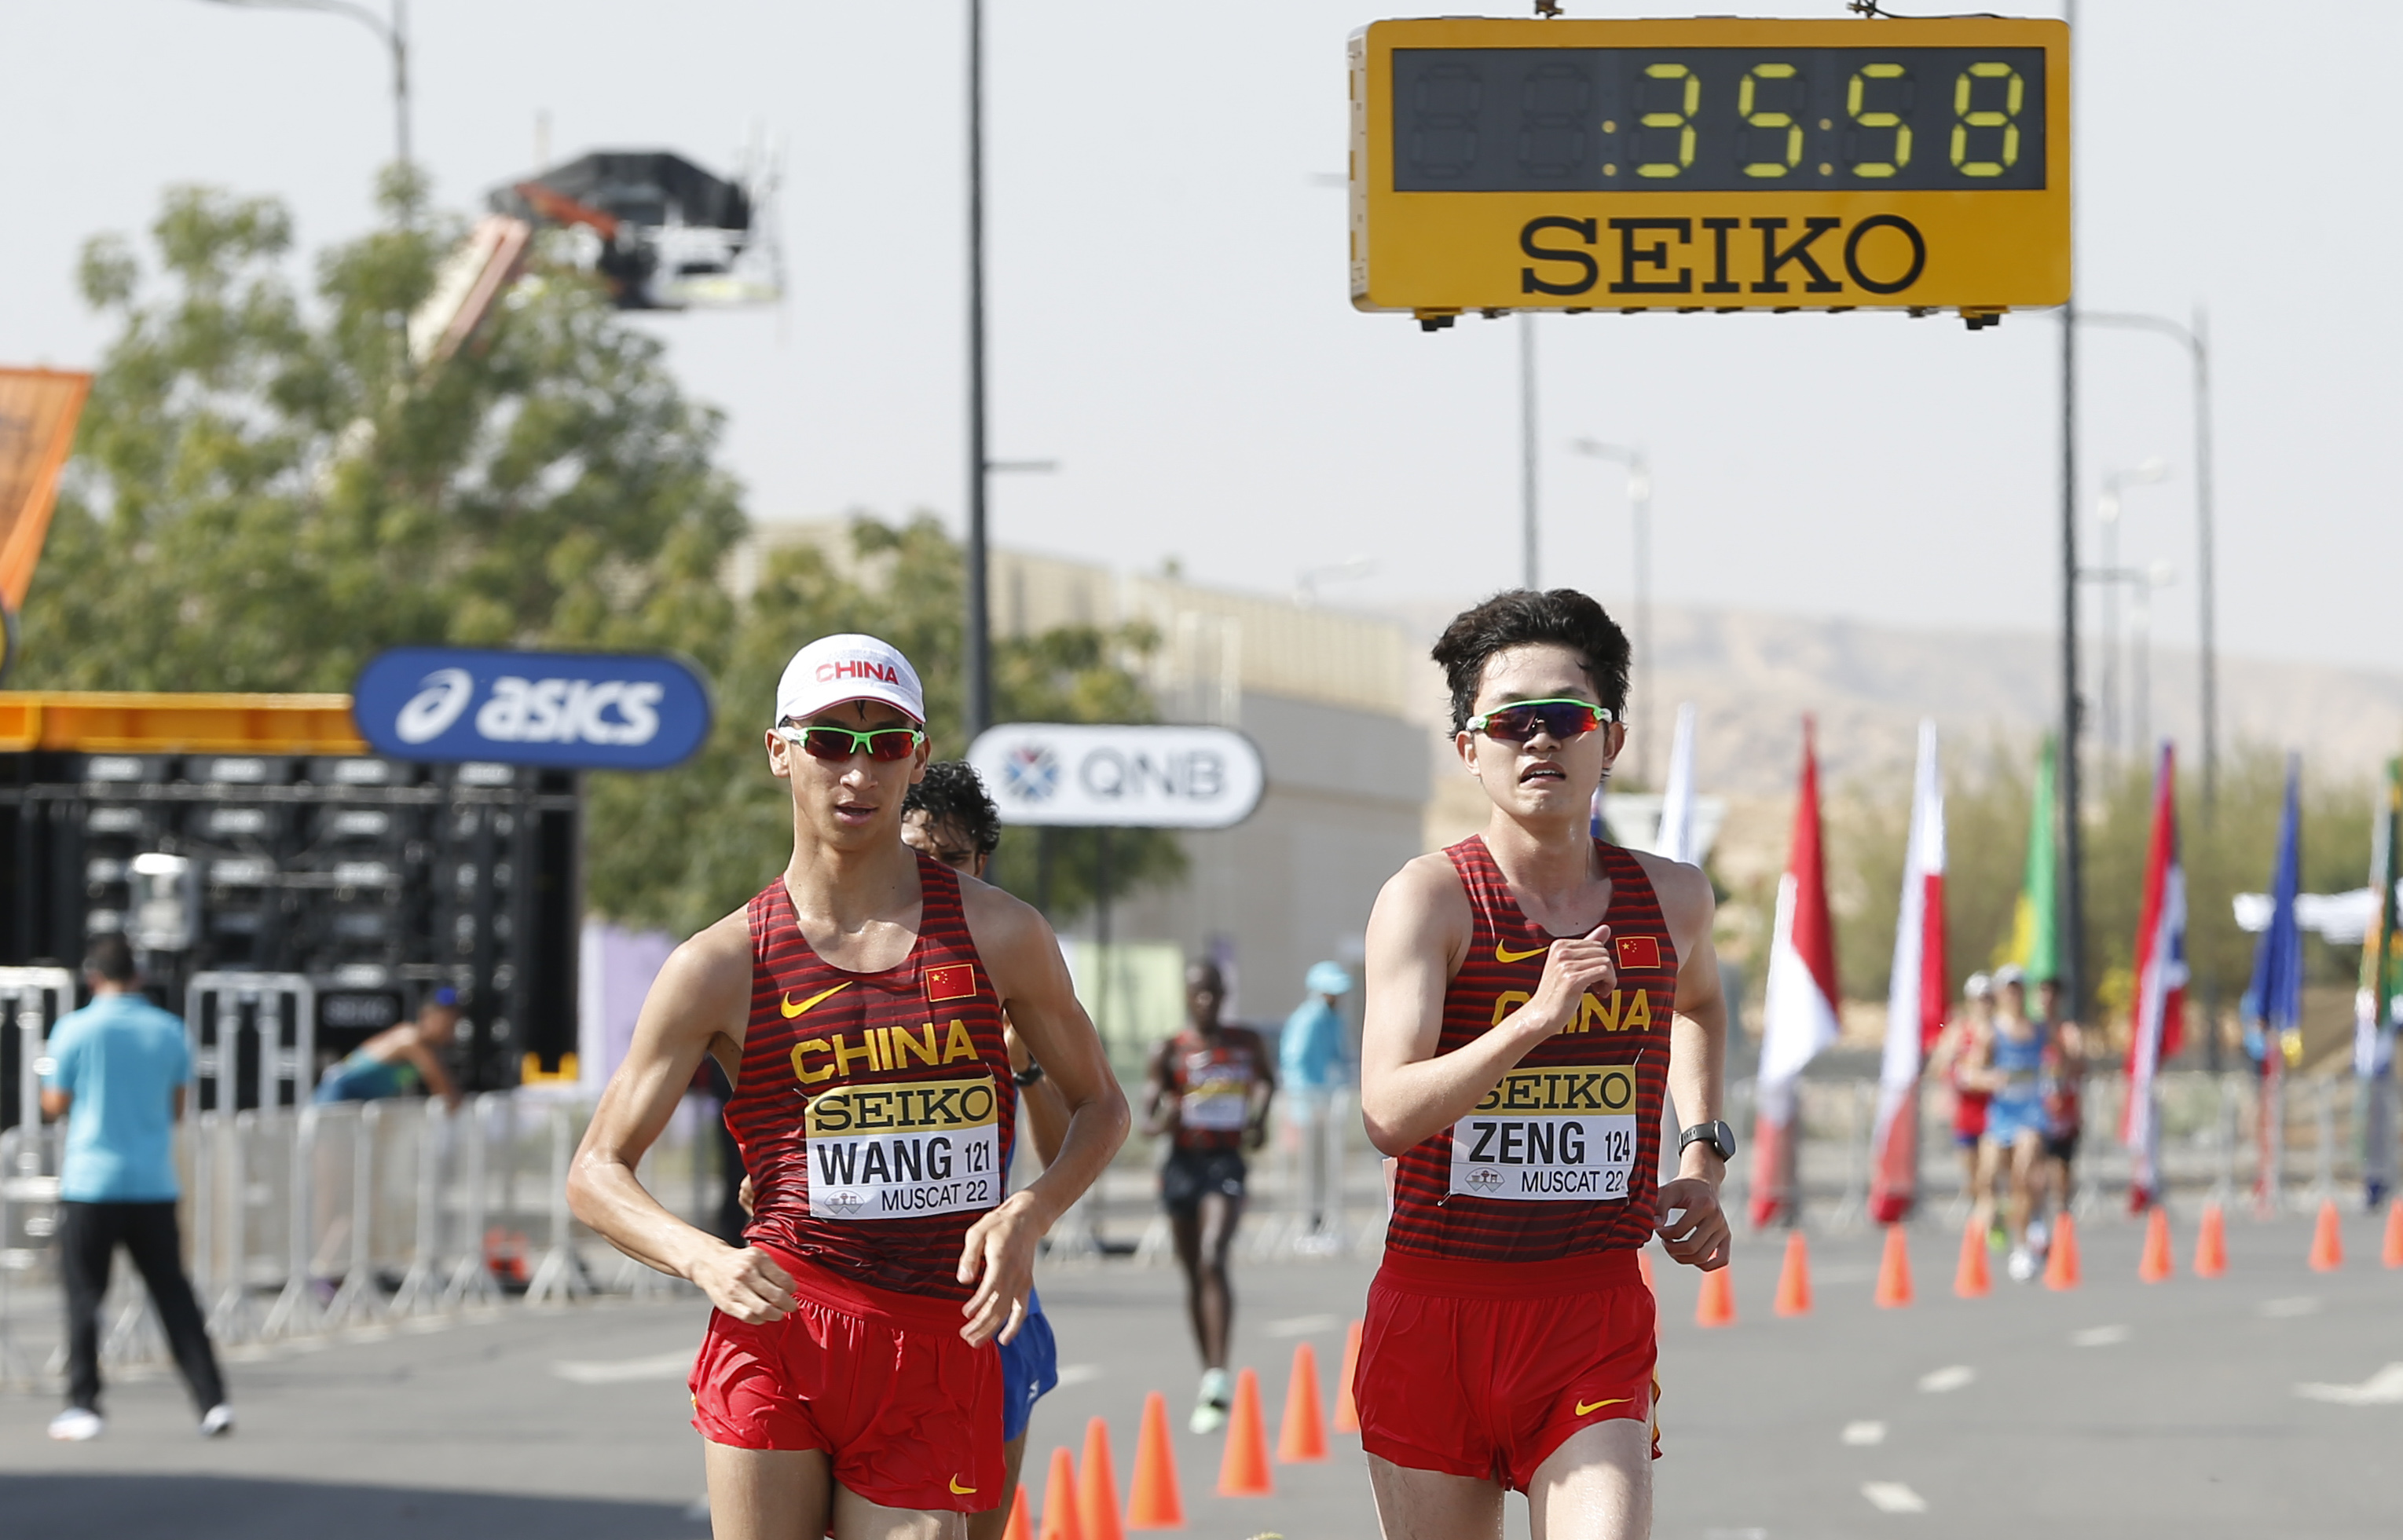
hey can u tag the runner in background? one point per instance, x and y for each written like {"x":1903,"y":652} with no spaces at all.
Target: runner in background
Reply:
{"x":2008,"y":1063}
{"x":1208,"y":1090}
{"x":1534,"y":994}
{"x":949,"y":816}
{"x":1311,"y":1069}
{"x":2065,"y":1112}
{"x":1955,"y":1047}
{"x":847,"y":1383}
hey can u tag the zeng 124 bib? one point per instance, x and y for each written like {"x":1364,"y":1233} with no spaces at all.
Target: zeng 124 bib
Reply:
{"x":1565,"y":1131}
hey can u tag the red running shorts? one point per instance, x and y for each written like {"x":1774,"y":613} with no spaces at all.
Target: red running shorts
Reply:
{"x":1484,"y":1369}
{"x":909,"y":1414}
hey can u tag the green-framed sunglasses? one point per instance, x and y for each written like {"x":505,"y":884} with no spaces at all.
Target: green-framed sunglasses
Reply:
{"x":1522,"y":719}
{"x":824,"y":742}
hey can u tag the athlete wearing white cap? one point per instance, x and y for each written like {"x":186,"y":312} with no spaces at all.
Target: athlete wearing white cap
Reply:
{"x":848,"y":1382}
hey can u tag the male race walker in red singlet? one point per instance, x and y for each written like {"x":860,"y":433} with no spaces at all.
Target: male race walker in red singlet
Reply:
{"x":1531,"y":990}
{"x":848,"y":1382}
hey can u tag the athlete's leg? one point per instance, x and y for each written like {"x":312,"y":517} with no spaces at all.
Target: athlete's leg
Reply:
{"x":2026,"y":1150}
{"x":1597,"y":1485}
{"x":1214,"y":1313}
{"x":1981,"y":1205}
{"x":1432,"y":1505}
{"x":989,"y":1524}
{"x":1185,"y":1225}
{"x":766,"y":1494}
{"x":857,"y":1519}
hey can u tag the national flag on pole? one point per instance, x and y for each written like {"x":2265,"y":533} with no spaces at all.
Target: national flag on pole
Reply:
{"x":2273,"y":1001}
{"x":1675,"y":839}
{"x":2160,"y":987}
{"x":2377,"y":1007}
{"x":1798,"y":1017}
{"x":2035,"y":931}
{"x":1916,"y":998}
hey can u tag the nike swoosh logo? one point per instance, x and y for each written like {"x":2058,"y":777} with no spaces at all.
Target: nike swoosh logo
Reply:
{"x":958,"y":1491}
{"x":792,"y":1011}
{"x":1585,"y":1407}
{"x":1503,"y":955}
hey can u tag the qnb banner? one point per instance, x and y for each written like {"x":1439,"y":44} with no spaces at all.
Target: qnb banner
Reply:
{"x":1119,"y":776}
{"x":562,"y":710}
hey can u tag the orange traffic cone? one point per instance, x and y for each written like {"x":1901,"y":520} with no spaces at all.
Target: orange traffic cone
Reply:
{"x":1716,"y":1305}
{"x":2060,"y":1268}
{"x":1794,"y":1279}
{"x":1244,"y":1470}
{"x":1893,"y":1271}
{"x":2392,"y":1253}
{"x":1153,"y":1501}
{"x":2211,"y":1244}
{"x":1097,"y":1486}
{"x":1021,"y":1517}
{"x":1060,"y":1501}
{"x":1973,"y":1279}
{"x":2157,"y":1263}
{"x":1347,"y":1411}
{"x":1301,"y":1437}
{"x":2327,"y":1239}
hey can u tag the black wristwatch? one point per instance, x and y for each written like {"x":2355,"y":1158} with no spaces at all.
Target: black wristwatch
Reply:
{"x":1715,"y":1133}
{"x":1027,"y":1077}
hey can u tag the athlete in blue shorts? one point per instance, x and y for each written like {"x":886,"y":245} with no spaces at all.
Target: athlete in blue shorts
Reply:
{"x":949,"y":816}
{"x":2010,"y":1064}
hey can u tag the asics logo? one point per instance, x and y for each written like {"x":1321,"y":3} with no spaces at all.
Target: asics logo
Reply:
{"x":792,"y":1011}
{"x":1586,"y":1407}
{"x":1502,"y":953}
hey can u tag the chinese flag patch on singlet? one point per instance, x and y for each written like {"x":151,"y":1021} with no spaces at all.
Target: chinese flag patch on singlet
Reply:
{"x":954,"y":981}
{"x":1639,"y":952}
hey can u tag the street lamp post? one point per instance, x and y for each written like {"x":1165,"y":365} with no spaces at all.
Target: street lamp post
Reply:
{"x":393,"y":33}
{"x":978,"y":647}
{"x":1530,"y":512}
{"x":2150,"y":473}
{"x":1639,"y":501}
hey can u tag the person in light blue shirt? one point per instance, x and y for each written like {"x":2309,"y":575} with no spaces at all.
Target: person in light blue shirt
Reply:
{"x":118,"y":1072}
{"x":1311,"y":1063}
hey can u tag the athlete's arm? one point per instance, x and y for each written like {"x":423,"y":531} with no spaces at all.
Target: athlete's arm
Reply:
{"x":1417,"y":935}
{"x":701,"y":998}
{"x":1698,"y":1232}
{"x":429,"y":1066}
{"x":1040,"y":1105}
{"x":1161,"y":1105}
{"x":1032,"y":978}
{"x":1262,"y":1092}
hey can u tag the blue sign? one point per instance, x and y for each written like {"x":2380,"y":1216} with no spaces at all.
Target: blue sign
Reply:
{"x":563,"y":710}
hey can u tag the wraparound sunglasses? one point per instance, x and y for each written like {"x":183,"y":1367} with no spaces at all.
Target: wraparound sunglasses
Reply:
{"x":1562,"y":718}
{"x":886,"y":743}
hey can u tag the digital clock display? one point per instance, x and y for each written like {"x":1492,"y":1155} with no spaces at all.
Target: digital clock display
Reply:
{"x":1717,"y":120}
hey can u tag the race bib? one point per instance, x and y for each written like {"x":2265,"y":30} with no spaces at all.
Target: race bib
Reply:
{"x":903,"y":1149}
{"x":1546,"y":1134}
{"x":1221,"y":1106}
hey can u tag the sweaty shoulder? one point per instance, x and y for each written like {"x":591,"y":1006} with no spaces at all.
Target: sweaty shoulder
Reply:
{"x":707,"y":980}
{"x":1003,"y":926}
{"x":1684,"y":894}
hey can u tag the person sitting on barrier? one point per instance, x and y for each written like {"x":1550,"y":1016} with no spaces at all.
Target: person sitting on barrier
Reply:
{"x":2008,"y":1062}
{"x":118,"y":1072}
{"x":398,"y":1059}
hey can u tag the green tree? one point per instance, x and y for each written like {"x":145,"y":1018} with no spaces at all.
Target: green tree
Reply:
{"x":267,"y":492}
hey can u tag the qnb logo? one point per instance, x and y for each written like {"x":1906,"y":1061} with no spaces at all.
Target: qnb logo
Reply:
{"x":623,"y":712}
{"x":432,"y":710}
{"x":858,"y":667}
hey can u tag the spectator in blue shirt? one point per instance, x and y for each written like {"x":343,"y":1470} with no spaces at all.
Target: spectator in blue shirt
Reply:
{"x":118,"y":1068}
{"x":1310,"y":1062}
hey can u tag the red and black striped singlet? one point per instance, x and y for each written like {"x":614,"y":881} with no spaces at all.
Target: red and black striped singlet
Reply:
{"x":1561,"y":1159}
{"x":873,"y":1108}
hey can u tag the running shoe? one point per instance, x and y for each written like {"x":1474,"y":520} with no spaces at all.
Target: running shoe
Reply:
{"x":1210,"y":1406}
{"x":2022,"y":1265}
{"x":75,"y":1424}
{"x":218,"y":1423}
{"x":2038,"y":1236}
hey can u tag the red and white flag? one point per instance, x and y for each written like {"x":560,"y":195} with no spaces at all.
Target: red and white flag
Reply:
{"x":1916,"y":999}
{"x":2161,"y":989}
{"x":1798,"y":1017}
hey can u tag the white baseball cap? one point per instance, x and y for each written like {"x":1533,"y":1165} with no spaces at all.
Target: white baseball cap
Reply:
{"x":849,"y":667}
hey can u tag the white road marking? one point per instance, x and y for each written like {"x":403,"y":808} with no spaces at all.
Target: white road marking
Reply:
{"x":1303,"y":1326}
{"x":621,"y":1371}
{"x":1892,"y":1497}
{"x":1952,"y":1377}
{"x":2385,"y":1388}
{"x":2284,"y":1310}
{"x":1078,"y":1374}
{"x":1736,"y":1534}
{"x":1864,"y":1434}
{"x":2099,"y":1337}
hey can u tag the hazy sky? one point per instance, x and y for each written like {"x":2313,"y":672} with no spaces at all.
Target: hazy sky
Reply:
{"x":1170,"y":319}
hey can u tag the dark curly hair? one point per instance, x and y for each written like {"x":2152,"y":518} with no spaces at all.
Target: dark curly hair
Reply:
{"x":1521,"y":618}
{"x":952,"y":793}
